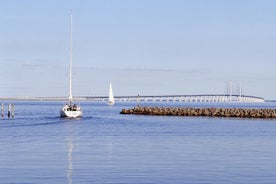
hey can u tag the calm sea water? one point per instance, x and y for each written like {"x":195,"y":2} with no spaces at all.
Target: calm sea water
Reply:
{"x":37,"y":146}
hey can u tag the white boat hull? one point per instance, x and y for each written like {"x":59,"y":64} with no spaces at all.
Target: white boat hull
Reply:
{"x":111,"y":102}
{"x":69,"y":113}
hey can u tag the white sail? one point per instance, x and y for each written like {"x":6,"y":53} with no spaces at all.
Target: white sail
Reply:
{"x":111,"y":100}
{"x":71,"y":110}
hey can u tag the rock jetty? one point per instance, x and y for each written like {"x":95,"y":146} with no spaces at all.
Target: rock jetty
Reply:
{"x":213,"y":112}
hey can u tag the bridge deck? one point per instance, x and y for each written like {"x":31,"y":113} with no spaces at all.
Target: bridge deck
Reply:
{"x":184,"y":98}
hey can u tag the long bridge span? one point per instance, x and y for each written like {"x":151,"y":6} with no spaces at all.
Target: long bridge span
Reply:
{"x":185,"y":98}
{"x":154,"y":98}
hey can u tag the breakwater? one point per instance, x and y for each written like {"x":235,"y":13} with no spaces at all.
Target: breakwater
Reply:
{"x":213,"y":112}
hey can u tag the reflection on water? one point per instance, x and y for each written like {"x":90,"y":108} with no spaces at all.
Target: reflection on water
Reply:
{"x":70,"y":165}
{"x":70,"y":143}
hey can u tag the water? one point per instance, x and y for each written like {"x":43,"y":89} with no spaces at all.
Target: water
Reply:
{"x":105,"y":147}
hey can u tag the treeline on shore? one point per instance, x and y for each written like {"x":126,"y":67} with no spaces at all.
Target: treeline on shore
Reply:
{"x":214,"y":112}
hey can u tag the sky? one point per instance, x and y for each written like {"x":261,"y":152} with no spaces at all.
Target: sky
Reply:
{"x":145,"y":47}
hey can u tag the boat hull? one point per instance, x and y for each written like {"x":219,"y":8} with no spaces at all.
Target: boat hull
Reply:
{"x":70,"y":114}
{"x":111,"y":102}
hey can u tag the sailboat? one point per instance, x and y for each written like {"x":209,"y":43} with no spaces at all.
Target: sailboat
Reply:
{"x":111,"y":100}
{"x":71,"y":110}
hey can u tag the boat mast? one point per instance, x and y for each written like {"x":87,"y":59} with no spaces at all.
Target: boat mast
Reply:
{"x":70,"y":59}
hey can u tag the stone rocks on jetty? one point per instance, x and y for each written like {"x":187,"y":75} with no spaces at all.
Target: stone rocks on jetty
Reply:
{"x":214,"y":112}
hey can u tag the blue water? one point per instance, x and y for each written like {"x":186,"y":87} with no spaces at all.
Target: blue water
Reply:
{"x":37,"y":146}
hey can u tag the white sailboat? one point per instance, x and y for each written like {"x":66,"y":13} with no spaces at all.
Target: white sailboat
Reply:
{"x":70,"y":110}
{"x":111,"y":100}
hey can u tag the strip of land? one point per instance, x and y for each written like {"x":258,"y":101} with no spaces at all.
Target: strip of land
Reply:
{"x":213,"y":112}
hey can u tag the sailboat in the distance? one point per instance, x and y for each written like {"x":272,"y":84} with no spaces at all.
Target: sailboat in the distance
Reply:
{"x":111,"y":100}
{"x":70,"y":110}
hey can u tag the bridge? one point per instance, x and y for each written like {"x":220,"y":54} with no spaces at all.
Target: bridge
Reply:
{"x":160,"y":98}
{"x":185,"y":98}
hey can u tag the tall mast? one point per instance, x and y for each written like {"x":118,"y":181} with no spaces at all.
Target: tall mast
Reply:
{"x":70,"y":58}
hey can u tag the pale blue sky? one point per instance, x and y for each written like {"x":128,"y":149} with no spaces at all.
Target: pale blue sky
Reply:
{"x":150,"y":47}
